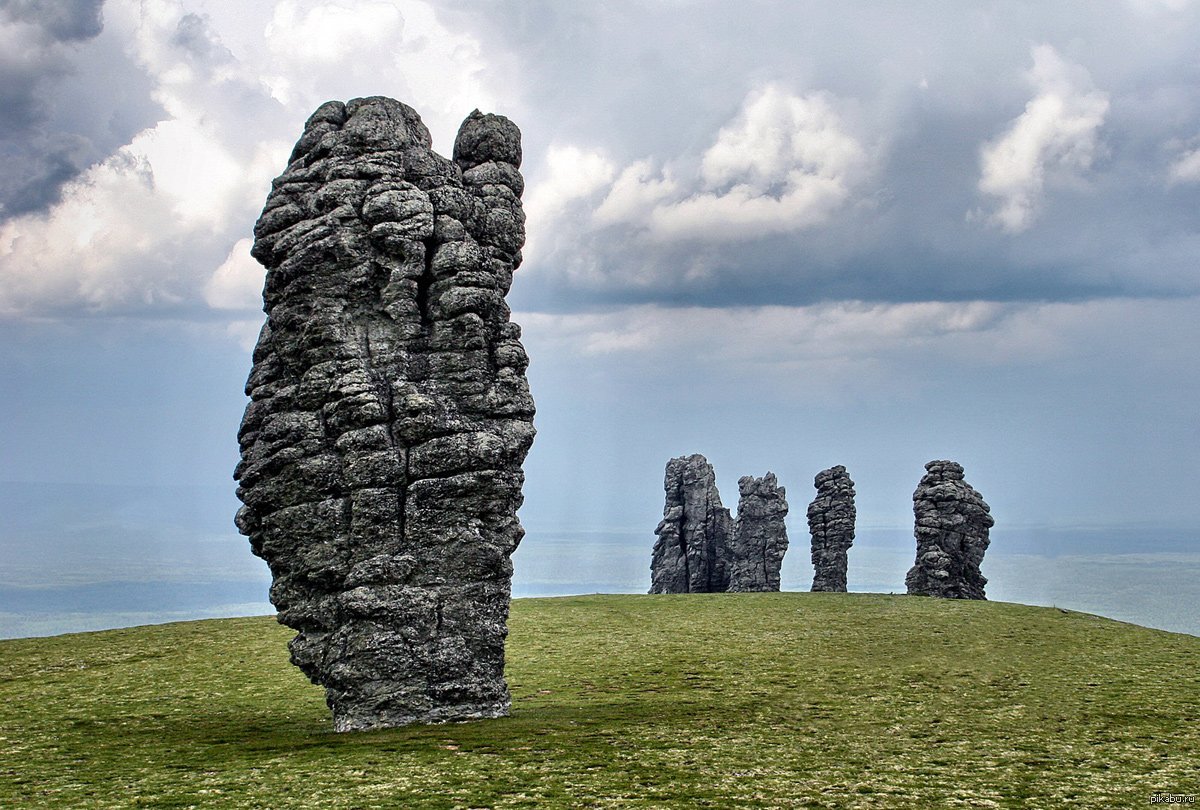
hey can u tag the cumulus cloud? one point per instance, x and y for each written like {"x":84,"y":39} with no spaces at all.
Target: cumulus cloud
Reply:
{"x":238,"y":282}
{"x":162,"y":219}
{"x":570,"y":174}
{"x":322,"y":49}
{"x":46,"y":138}
{"x":136,"y":230}
{"x":1074,"y":161}
{"x":62,"y":19}
{"x":785,"y":163}
{"x":718,"y":182}
{"x":1057,"y":133}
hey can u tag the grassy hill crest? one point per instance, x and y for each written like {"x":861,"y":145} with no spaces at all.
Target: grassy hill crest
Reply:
{"x":722,"y":700}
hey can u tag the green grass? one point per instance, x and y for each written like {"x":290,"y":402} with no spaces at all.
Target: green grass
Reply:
{"x":730,"y":700}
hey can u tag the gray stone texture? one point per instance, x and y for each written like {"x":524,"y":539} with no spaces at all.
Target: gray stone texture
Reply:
{"x":691,"y":554}
{"x":952,"y":523}
{"x":390,"y":414}
{"x":831,"y":523}
{"x":759,"y":535}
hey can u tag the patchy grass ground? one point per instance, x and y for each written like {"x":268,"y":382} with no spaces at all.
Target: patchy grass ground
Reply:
{"x":731,"y":700}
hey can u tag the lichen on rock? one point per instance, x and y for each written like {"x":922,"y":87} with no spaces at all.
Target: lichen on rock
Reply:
{"x":390,"y":413}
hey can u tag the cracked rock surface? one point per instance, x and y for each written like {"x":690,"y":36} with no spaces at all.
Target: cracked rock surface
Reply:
{"x":692,"y":553}
{"x":952,"y":523}
{"x":831,"y":523}
{"x":390,"y":414}
{"x":759,"y":535}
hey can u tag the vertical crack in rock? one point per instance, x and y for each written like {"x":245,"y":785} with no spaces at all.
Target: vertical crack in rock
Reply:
{"x":681,"y":531}
{"x":390,"y":413}
{"x":760,"y":535}
{"x":831,"y":523}
{"x":952,"y":523}
{"x":691,"y":554}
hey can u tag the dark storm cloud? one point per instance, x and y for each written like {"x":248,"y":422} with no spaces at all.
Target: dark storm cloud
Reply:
{"x":68,"y":97}
{"x":46,"y":164}
{"x":924,"y":87}
{"x":63,"y":20}
{"x":1125,"y":232}
{"x":195,"y":36}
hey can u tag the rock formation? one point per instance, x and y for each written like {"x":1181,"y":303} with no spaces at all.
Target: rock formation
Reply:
{"x":952,"y":523}
{"x":831,"y":524}
{"x":389,"y":413}
{"x":691,"y":554}
{"x":759,"y":534}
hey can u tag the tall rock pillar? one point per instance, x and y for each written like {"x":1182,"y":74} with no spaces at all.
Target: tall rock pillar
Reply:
{"x":691,"y":554}
{"x":952,"y":523}
{"x":831,"y":523}
{"x":759,"y":534}
{"x":390,"y":414}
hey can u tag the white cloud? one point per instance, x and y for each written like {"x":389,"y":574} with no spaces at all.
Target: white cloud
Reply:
{"x":570,"y":173}
{"x":1185,"y":168}
{"x":778,"y":134}
{"x":1057,"y":132}
{"x":324,"y":32}
{"x":323,"y":49}
{"x":245,"y":332}
{"x":1156,"y":6}
{"x":135,"y":230}
{"x":983,"y":332}
{"x":238,"y":282}
{"x":149,"y":225}
{"x":768,"y":333}
{"x":785,"y":163}
{"x":640,"y":189}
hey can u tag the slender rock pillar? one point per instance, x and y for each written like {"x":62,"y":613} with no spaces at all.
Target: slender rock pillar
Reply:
{"x":831,"y":524}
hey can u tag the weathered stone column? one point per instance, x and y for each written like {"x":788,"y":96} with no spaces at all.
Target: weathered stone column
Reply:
{"x":952,"y":523}
{"x":389,"y":414}
{"x":831,"y":524}
{"x":759,"y":534}
{"x":691,"y":554}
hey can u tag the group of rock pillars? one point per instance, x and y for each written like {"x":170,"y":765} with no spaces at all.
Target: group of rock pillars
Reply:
{"x":382,"y":448}
{"x":702,"y":549}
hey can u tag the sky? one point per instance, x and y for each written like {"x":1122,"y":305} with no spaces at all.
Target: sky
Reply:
{"x":783,"y":235}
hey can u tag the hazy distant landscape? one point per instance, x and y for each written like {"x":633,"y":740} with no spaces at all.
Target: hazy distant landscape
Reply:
{"x":89,"y":558}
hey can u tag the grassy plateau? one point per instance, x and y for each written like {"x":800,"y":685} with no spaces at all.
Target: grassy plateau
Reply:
{"x":724,"y":700}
